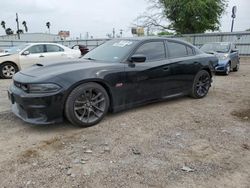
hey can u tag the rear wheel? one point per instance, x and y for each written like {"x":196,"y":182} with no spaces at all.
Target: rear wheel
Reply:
{"x":7,"y":70}
{"x":201,"y":84}
{"x":87,"y":104}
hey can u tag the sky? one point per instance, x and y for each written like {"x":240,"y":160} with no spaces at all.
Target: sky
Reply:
{"x":98,"y":18}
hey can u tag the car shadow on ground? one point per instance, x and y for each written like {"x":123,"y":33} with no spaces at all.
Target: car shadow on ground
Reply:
{"x":149,"y":105}
{"x":67,"y":126}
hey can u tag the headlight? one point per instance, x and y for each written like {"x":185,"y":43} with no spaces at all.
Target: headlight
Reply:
{"x":43,"y":88}
{"x":225,"y":56}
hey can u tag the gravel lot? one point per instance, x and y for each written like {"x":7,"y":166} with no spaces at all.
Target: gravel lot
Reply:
{"x":177,"y":143}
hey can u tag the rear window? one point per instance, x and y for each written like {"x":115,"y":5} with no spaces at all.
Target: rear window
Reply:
{"x":176,"y":50}
{"x":53,"y":48}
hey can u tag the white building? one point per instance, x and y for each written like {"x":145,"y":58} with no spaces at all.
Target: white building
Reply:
{"x":36,"y":37}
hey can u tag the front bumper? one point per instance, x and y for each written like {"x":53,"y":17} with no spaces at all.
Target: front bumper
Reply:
{"x":36,"y":108}
{"x":220,"y":68}
{"x":222,"y":65}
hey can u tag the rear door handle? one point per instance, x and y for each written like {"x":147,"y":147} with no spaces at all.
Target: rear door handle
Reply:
{"x":41,"y":56}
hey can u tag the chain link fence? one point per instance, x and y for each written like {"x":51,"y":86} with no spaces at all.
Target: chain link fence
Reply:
{"x":241,"y":39}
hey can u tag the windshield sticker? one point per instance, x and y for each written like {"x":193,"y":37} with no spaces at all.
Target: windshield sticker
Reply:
{"x":122,"y":43}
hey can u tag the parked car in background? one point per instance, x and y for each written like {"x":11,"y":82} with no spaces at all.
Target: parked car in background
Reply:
{"x":82,"y":48}
{"x":227,"y":54}
{"x":116,"y":75}
{"x":25,"y":55}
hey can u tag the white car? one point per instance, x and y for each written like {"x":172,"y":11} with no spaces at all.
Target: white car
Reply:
{"x":23,"y":56}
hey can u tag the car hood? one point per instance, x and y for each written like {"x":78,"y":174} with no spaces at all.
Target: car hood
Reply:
{"x":217,"y":54}
{"x":59,"y":68}
{"x":3,"y":54}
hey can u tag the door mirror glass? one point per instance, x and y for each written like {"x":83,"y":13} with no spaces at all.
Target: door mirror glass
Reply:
{"x":138,"y":58}
{"x":234,"y":50}
{"x":26,"y":52}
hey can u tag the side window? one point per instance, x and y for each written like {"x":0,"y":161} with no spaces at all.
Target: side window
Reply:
{"x":177,"y":50}
{"x":153,"y":51}
{"x":189,"y":51}
{"x":36,"y":49}
{"x":53,"y":48}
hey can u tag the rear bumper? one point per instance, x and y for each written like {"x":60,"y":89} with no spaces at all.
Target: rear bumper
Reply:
{"x":36,"y":108}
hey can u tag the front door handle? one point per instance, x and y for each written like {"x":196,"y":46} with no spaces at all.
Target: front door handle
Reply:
{"x":41,"y":56}
{"x":166,"y":68}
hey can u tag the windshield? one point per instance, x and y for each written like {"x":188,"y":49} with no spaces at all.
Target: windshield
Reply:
{"x":112,"y":51}
{"x":17,"y":49}
{"x":216,"y":47}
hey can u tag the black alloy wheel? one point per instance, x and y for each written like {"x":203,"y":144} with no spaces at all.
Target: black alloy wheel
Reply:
{"x":201,"y":84}
{"x":87,"y":104}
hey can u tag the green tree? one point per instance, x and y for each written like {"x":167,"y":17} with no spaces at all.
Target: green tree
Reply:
{"x":184,"y":16}
{"x":163,"y":33}
{"x":193,"y":16}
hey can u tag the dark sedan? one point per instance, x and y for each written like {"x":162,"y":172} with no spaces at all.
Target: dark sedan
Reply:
{"x":119,"y":74}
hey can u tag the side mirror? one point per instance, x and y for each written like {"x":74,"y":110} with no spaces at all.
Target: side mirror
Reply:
{"x":139,"y":58}
{"x":235,"y":50}
{"x":26,"y":53}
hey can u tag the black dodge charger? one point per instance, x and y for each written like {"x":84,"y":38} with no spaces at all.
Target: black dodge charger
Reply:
{"x":119,"y":74}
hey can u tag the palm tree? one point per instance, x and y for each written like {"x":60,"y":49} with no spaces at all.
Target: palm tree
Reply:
{"x":48,"y":26}
{"x":20,"y":31}
{"x":9,"y":31}
{"x":3,"y":24}
{"x":25,"y":26}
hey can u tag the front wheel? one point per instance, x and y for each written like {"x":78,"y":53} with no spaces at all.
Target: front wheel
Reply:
{"x":7,"y":70}
{"x":228,"y":69}
{"x":201,"y":84}
{"x":87,"y":104}
{"x":235,"y":69}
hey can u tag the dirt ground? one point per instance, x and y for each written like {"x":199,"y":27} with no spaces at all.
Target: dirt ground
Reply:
{"x":176,"y":143}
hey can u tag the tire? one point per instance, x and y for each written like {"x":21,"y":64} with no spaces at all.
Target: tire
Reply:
{"x":228,"y":69}
{"x":87,"y":104}
{"x":201,"y":84}
{"x":7,"y":70}
{"x":235,"y":69}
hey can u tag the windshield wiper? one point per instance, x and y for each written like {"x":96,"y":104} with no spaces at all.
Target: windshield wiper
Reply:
{"x":219,"y":51}
{"x":89,"y":58}
{"x":210,"y":52}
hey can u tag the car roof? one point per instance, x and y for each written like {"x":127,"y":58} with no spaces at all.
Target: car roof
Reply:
{"x":152,"y":38}
{"x":143,"y":38}
{"x":219,"y":43}
{"x":42,"y":43}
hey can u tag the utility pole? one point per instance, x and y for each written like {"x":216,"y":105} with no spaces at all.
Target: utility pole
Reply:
{"x":17,"y":22}
{"x":234,"y":9}
{"x":113,"y":32}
